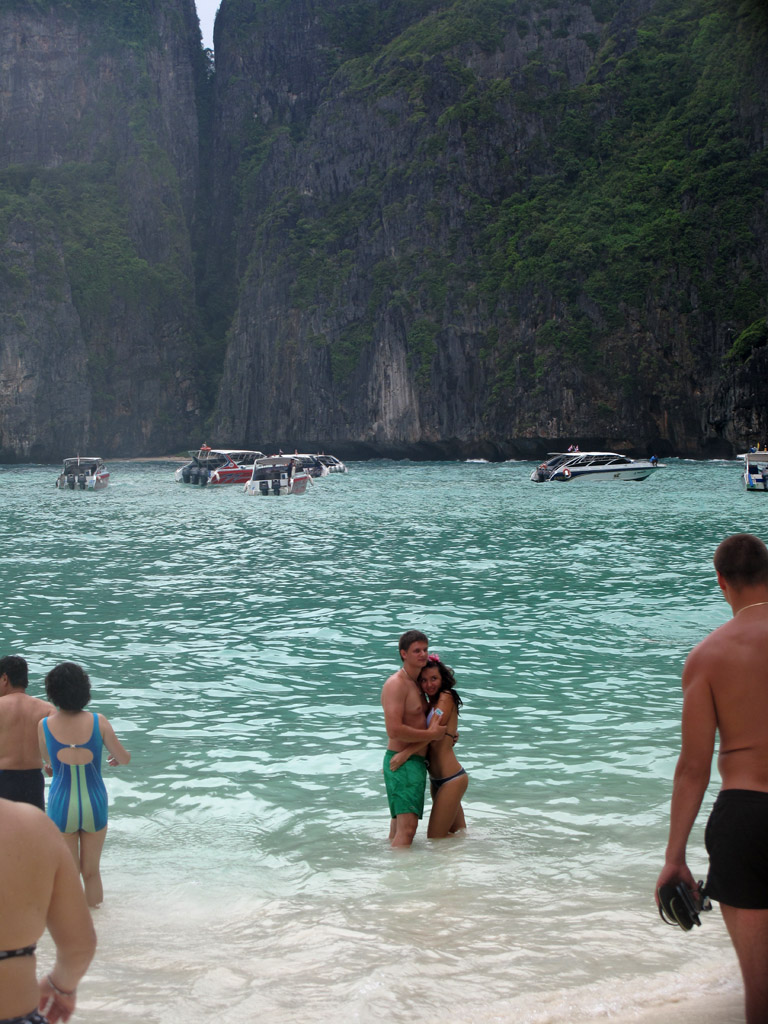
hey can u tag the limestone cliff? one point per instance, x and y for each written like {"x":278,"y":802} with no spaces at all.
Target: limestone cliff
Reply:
{"x":98,"y":188}
{"x":485,"y":227}
{"x":385,"y":227}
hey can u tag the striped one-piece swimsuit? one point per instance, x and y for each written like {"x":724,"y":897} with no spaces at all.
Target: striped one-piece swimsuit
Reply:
{"x":77,"y":799}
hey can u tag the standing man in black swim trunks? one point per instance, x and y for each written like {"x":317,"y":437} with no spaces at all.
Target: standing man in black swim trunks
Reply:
{"x":405,"y":718}
{"x":725,"y":691}
{"x":21,"y":776}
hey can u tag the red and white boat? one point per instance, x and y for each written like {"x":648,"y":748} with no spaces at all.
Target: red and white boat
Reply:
{"x":83,"y":473}
{"x":278,"y":474}
{"x":218,"y":466}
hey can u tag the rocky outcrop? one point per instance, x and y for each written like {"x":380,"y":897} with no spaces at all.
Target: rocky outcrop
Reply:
{"x":396,"y":292}
{"x":388,"y":227}
{"x":98,"y":188}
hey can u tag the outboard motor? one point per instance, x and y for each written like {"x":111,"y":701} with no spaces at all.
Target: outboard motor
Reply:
{"x":71,"y":481}
{"x":81,"y":481}
{"x":276,"y":485}
{"x":185,"y":474}
{"x":203,"y":474}
{"x":264,"y":486}
{"x":194,"y":472}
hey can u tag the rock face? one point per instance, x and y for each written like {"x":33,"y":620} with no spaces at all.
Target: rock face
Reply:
{"x":433,"y":228}
{"x":98,"y":186}
{"x":447,"y":242}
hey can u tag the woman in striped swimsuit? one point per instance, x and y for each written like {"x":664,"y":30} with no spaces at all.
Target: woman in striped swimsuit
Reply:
{"x":71,"y":742}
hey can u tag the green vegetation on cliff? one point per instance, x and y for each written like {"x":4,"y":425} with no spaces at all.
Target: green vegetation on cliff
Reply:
{"x":641,"y":172}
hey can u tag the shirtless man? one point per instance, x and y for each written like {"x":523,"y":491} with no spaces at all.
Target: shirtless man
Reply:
{"x":41,"y":889}
{"x":21,"y":776}
{"x":725,"y":690}
{"x":405,"y":719}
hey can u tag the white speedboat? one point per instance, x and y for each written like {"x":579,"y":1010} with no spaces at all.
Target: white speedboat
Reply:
{"x":218,"y":466}
{"x":593,"y":466}
{"x":277,"y":474}
{"x":312,"y":464}
{"x":754,"y":476}
{"x":334,"y":465}
{"x":83,"y":473}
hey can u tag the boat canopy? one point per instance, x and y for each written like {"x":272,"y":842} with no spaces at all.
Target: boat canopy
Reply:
{"x":555,"y":459}
{"x":82,"y":462}
{"x":215,"y":458}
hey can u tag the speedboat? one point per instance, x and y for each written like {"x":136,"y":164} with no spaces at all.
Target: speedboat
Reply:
{"x":218,"y":466}
{"x":593,"y":466}
{"x":334,"y":465}
{"x":277,"y":474}
{"x":755,"y":473}
{"x":83,"y":473}
{"x":312,"y":464}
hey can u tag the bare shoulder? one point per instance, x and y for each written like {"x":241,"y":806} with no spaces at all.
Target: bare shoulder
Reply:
{"x":394,"y":682}
{"x":43,"y":708}
{"x":26,"y":821}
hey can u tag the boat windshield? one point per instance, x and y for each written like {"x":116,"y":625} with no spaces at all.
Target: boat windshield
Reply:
{"x":82,"y":465}
{"x":213,"y":458}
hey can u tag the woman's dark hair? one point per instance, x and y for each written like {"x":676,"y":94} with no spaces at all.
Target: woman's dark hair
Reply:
{"x":447,"y":679}
{"x":68,"y":686}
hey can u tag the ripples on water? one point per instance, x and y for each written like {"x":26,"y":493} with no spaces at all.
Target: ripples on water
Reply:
{"x":239,"y":645}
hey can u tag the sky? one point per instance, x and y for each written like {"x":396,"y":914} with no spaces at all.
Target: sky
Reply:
{"x":206,"y":12}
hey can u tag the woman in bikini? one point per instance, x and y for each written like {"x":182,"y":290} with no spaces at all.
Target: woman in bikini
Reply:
{"x":448,"y":780}
{"x":41,"y":889}
{"x":71,"y":742}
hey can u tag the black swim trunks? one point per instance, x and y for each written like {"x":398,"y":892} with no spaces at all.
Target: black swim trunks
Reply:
{"x":24,"y":785}
{"x":33,"y":1017}
{"x":737,"y":843}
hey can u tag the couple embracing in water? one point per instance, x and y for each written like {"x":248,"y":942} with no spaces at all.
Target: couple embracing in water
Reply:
{"x":421,"y":713}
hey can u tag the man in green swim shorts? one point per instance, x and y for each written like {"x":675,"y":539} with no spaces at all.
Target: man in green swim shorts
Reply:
{"x":405,"y":719}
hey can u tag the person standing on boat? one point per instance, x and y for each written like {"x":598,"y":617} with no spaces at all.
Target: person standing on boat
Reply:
{"x":725,"y":692}
{"x":21,"y":775}
{"x":405,"y":719}
{"x":73,"y":739}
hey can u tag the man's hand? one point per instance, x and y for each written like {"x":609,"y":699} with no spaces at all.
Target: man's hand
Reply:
{"x":671,"y":874}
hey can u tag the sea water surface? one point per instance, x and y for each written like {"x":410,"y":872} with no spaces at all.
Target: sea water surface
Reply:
{"x":239,"y":645}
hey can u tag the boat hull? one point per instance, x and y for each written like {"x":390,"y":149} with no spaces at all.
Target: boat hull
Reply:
{"x":267,"y":488}
{"x":68,"y":483}
{"x":599,"y":476}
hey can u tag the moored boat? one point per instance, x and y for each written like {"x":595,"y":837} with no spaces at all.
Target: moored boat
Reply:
{"x":565,"y":467}
{"x":334,"y":465}
{"x":83,"y":473}
{"x":754,"y":475}
{"x":277,"y":474}
{"x":218,"y":466}
{"x":312,"y":464}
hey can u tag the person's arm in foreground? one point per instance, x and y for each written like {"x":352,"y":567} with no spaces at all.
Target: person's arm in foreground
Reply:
{"x":694,"y":766}
{"x":69,"y":922}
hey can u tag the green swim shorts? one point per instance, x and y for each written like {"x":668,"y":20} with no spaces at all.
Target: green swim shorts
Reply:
{"x":405,"y":787}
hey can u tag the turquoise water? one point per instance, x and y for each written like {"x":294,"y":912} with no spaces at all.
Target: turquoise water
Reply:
{"x":238,"y":645}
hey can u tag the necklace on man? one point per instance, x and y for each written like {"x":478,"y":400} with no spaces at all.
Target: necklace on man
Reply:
{"x":755,"y":605}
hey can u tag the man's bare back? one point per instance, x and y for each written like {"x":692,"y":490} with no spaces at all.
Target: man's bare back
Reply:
{"x":19,"y":717}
